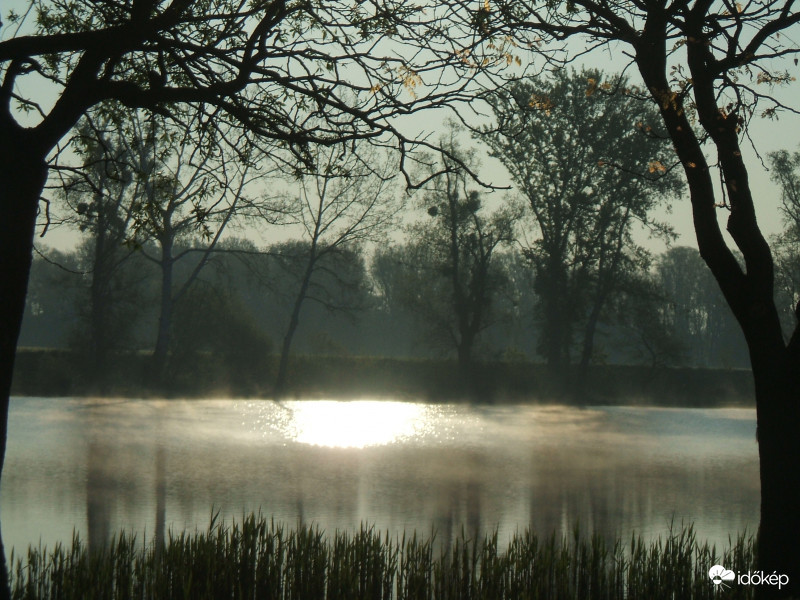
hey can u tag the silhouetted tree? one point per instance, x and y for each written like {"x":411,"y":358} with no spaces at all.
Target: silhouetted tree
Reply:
{"x":344,"y":205}
{"x":786,"y":245}
{"x":519,"y":301}
{"x":398,"y":331}
{"x":450,"y":277}
{"x":786,"y":172}
{"x":644,"y":322}
{"x":100,"y":196}
{"x":112,"y":304}
{"x":584,"y":157}
{"x":696,"y":310}
{"x":188,"y":191}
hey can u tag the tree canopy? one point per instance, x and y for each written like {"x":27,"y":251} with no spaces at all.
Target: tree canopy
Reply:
{"x":449,"y":276}
{"x":588,"y":160}
{"x":289,"y":74}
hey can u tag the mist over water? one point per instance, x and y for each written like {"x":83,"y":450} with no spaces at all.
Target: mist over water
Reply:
{"x":98,"y":466}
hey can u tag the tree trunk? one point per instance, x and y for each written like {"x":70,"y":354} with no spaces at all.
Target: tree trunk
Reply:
{"x":580,"y":385}
{"x":466,"y":369}
{"x":283,"y":367}
{"x":548,"y":341}
{"x":294,"y":321}
{"x":99,"y":307}
{"x":23,"y":178}
{"x":556,"y":327}
{"x":165,"y":311}
{"x":97,"y":323}
{"x":606,"y":276}
{"x":777,"y":391}
{"x":588,"y":339}
{"x":473,"y":383}
{"x":465,"y":352}
{"x":749,"y":293}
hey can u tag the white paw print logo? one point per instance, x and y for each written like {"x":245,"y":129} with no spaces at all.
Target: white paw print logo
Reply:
{"x":719,"y":575}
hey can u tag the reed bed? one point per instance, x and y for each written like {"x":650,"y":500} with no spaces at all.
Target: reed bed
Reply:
{"x":259,"y":559}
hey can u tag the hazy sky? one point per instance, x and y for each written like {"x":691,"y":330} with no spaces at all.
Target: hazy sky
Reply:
{"x":768,"y":136}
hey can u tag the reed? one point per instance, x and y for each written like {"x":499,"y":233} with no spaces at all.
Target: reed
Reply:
{"x":257,"y":558}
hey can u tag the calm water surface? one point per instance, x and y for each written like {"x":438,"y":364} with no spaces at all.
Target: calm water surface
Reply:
{"x":98,"y":466}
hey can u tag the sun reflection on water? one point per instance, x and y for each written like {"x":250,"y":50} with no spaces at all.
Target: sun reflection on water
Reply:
{"x":354,"y":424}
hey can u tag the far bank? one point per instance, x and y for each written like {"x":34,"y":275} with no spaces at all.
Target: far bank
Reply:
{"x":46,"y":372}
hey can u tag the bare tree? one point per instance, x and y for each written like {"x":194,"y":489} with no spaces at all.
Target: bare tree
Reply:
{"x":347,"y":203}
{"x":188,"y":195}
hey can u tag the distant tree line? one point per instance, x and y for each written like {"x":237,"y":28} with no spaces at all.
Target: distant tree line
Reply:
{"x":550,"y":272}
{"x":392,"y":301}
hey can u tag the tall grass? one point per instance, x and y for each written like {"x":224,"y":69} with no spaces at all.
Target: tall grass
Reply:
{"x":257,"y":558}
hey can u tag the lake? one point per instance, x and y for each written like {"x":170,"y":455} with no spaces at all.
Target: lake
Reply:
{"x":101,"y":465}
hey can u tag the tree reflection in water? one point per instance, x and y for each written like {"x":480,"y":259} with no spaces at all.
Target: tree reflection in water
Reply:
{"x":149,"y":466}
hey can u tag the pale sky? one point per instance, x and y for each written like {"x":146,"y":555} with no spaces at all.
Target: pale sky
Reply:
{"x":768,"y":135}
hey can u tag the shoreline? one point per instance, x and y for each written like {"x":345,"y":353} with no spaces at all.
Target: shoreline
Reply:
{"x":61,"y":373}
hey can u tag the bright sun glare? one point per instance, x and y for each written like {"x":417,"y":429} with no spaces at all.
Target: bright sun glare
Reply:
{"x":355,"y":424}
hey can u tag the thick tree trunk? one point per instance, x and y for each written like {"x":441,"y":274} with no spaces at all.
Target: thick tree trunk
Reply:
{"x":22,"y":181}
{"x":777,"y":394}
{"x":559,"y":306}
{"x":556,"y":327}
{"x":23,"y":178}
{"x":749,"y":293}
